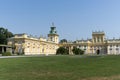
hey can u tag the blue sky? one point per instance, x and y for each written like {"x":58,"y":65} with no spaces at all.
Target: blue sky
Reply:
{"x":74,"y":19}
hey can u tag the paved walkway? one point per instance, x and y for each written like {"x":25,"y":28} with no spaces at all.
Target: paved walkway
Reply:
{"x":12,"y":56}
{"x":24,"y":56}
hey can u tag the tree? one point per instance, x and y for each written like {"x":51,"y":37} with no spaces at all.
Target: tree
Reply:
{"x":63,"y":41}
{"x":77,"y":51}
{"x":4,"y":35}
{"x":62,"y":50}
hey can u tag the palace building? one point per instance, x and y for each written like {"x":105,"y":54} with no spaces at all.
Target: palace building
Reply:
{"x":97,"y":43}
{"x":29,"y":45}
{"x":90,"y":46}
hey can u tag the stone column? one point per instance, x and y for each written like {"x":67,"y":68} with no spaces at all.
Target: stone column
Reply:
{"x":96,"y":39}
{"x":99,"y":39}
{"x":3,"y":50}
{"x":70,"y":50}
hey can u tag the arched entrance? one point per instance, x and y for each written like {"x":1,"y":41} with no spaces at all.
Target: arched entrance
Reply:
{"x":98,"y":51}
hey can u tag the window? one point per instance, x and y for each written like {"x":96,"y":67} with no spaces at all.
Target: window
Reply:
{"x":51,"y":38}
{"x":28,"y":43}
{"x":117,"y":49}
{"x":110,"y":48}
{"x":53,"y":47}
{"x":94,"y":48}
{"x":98,"y":39}
{"x":47,"y":47}
{"x":110,"y":45}
{"x":56,"y":39}
{"x":95,"y":40}
{"x":85,"y":46}
{"x":19,"y":42}
{"x":15,"y":41}
{"x":116,"y":45}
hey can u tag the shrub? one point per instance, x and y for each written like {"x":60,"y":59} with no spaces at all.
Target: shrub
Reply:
{"x":1,"y":53}
{"x":20,"y":53}
{"x":77,"y":51}
{"x":6,"y":54}
{"x":62,"y":51}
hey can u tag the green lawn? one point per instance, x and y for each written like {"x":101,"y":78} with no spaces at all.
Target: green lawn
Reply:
{"x":61,"y":68}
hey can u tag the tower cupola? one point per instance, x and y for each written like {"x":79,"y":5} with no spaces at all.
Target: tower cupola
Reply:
{"x":53,"y":36}
{"x":53,"y":29}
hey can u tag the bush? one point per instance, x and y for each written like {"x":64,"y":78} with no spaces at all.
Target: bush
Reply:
{"x":20,"y":53}
{"x":77,"y":51}
{"x":6,"y":54}
{"x":62,"y":51}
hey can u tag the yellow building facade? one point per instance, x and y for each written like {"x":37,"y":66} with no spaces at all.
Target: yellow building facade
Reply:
{"x":29,"y":45}
{"x":97,"y":43}
{"x":90,"y":46}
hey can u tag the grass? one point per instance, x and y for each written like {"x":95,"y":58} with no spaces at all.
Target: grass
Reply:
{"x":61,"y":68}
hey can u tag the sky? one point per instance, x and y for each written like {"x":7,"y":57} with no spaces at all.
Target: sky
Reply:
{"x":74,"y":19}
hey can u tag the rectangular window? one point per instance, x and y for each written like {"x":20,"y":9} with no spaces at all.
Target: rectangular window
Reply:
{"x":91,"y":49}
{"x":116,"y":45}
{"x":98,"y":39}
{"x":117,"y":49}
{"x":110,"y":48}
{"x":110,"y":45}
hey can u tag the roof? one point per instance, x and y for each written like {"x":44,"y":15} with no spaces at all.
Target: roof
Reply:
{"x":98,"y":32}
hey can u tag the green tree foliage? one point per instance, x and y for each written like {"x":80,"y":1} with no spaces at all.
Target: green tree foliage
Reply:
{"x":62,"y":51}
{"x":63,"y":41}
{"x":6,"y":54}
{"x":4,"y":35}
{"x":77,"y":51}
